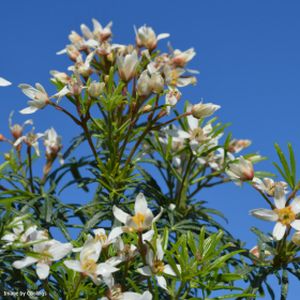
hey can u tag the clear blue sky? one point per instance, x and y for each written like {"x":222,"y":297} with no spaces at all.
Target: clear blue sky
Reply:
{"x":248,"y":54}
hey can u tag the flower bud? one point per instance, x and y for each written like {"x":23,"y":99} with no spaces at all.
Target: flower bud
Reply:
{"x":2,"y":137}
{"x":72,"y":52}
{"x":241,"y":170}
{"x":95,"y":89}
{"x":146,"y":108}
{"x":143,"y":87}
{"x":296,"y":238}
{"x":157,"y":83}
{"x":127,"y":65}
{"x":203,"y":110}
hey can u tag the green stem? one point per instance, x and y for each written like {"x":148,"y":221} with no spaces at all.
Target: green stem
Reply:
{"x":30,"y":168}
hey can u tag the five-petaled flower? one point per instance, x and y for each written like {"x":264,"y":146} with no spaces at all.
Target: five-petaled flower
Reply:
{"x":283,"y":214}
{"x":142,"y":219}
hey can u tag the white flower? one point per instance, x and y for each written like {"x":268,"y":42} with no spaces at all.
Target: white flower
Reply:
{"x":83,"y":67}
{"x":52,"y":142}
{"x":195,"y":134}
{"x":236,"y":146}
{"x":146,"y":37}
{"x":240,"y":170}
{"x":156,"y":266}
{"x":17,"y":129}
{"x":181,"y":58}
{"x":284,"y":216}
{"x":106,"y":240}
{"x":127,"y":65}
{"x":149,"y":82}
{"x":173,"y":77}
{"x":4,"y":82}
{"x":87,"y":263}
{"x":115,"y":293}
{"x":31,"y":140}
{"x":38,"y":95}
{"x":172,"y":97}
{"x":203,"y":110}
{"x":19,"y":233}
{"x":45,"y":253}
{"x":143,"y":218}
{"x":268,"y":186}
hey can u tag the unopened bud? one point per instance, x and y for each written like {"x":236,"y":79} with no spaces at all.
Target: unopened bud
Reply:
{"x":146,"y":108}
{"x":296,"y":238}
{"x":95,"y":89}
{"x":203,"y":110}
{"x":72,"y":52}
{"x":157,"y":83}
{"x":2,"y":137}
{"x":7,"y":156}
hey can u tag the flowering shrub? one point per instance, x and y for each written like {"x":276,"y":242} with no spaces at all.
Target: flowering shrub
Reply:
{"x":143,"y":233}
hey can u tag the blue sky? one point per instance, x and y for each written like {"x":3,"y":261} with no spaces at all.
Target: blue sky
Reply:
{"x":248,"y":54}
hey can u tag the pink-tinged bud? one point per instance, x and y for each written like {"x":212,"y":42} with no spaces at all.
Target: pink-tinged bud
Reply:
{"x":146,"y":37}
{"x":16,"y":131}
{"x":257,"y":252}
{"x":203,"y":110}
{"x":73,"y":53}
{"x":236,"y":146}
{"x":241,"y":170}
{"x":181,"y":58}
{"x":172,"y":97}
{"x":2,"y":138}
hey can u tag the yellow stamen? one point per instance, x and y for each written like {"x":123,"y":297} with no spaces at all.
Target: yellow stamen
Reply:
{"x":138,"y":219}
{"x":158,"y":266}
{"x":285,"y":215}
{"x":89,"y":266}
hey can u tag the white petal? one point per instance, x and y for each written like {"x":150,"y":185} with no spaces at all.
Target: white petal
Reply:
{"x":115,"y":232}
{"x":105,"y":269}
{"x":193,"y":122}
{"x":296,"y":224}
{"x":28,"y":110}
{"x":279,"y":198}
{"x":140,"y":205}
{"x":159,"y":250}
{"x":147,"y":236}
{"x":168,"y":270}
{"x":162,"y":282}
{"x":60,"y":250}
{"x":91,"y":250}
{"x":162,"y":36}
{"x":156,"y":218}
{"x":42,"y":270}
{"x":25,"y":262}
{"x":146,"y":271}
{"x":296,"y":205}
{"x":120,"y":214}
{"x":4,"y":82}
{"x":264,"y":214}
{"x":74,"y":265}
{"x":279,"y":231}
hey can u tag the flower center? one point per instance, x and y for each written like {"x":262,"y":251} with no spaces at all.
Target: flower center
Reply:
{"x":101,"y":237}
{"x":198,"y":135}
{"x":158,"y":266}
{"x":138,"y":219}
{"x":285,"y":215}
{"x":89,"y":266}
